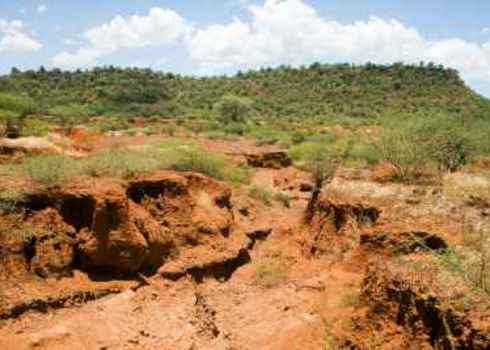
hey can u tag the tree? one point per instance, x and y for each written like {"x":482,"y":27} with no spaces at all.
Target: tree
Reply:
{"x":14,"y":109}
{"x":233,"y":109}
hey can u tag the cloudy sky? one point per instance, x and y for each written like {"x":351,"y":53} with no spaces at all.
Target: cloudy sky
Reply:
{"x":212,"y":36}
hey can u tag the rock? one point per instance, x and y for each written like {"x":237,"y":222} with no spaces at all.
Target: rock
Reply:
{"x":27,"y":145}
{"x":269,"y":159}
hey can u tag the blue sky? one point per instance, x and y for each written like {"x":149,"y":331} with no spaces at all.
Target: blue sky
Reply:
{"x":212,"y":37}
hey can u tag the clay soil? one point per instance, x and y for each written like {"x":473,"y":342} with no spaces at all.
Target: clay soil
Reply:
{"x":202,"y":265}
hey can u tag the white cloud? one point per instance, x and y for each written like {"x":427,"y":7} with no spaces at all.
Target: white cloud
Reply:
{"x":81,"y":58}
{"x":281,"y":32}
{"x":13,"y":37}
{"x":159,"y":28}
{"x":291,"y":32}
{"x":41,"y":8}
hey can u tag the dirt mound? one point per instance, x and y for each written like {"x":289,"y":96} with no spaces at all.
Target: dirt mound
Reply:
{"x":107,"y":225}
{"x":419,"y":308}
{"x":332,"y":223}
{"x":293,"y":180}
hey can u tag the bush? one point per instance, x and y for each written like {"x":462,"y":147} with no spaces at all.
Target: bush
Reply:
{"x":51,"y":170}
{"x":402,"y":150}
{"x":14,"y":109}
{"x":35,"y":127}
{"x":70,"y":115}
{"x":119,"y":163}
{"x":112,"y":124}
{"x":213,"y":165}
{"x":316,"y":158}
{"x":413,"y":145}
{"x":9,"y":197}
{"x":447,"y":140}
{"x":232,"y":109}
{"x":364,"y":151}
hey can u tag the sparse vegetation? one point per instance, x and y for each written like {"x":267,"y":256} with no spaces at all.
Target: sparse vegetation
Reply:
{"x":271,"y":272}
{"x":52,"y":170}
{"x":262,"y":194}
{"x":9,"y":198}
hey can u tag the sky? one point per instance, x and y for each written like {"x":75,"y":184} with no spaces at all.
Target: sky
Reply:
{"x":214,"y":37}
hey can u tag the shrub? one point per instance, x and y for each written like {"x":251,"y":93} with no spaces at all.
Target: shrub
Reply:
{"x":232,"y":109}
{"x":413,"y":145}
{"x":213,"y":165}
{"x":119,"y":163}
{"x":364,"y":151}
{"x":35,"y":127}
{"x":15,"y":109}
{"x":402,"y":150}
{"x":262,"y":194}
{"x":52,"y":170}
{"x":315,"y":157}
{"x":9,"y":197}
{"x":70,"y":115}
{"x":112,"y":124}
{"x":447,"y":140}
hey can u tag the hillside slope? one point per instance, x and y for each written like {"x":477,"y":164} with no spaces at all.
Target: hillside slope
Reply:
{"x":317,"y":93}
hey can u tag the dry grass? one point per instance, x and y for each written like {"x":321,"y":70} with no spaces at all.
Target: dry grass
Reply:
{"x":271,"y":271}
{"x":460,"y":186}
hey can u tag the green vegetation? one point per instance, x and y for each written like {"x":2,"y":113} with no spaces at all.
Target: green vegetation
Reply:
{"x":262,"y":194}
{"x":284,"y":97}
{"x":54,"y":170}
{"x":232,"y":109}
{"x":9,"y":198}
{"x":446,"y":142}
{"x":13,"y":110}
{"x":413,"y":116}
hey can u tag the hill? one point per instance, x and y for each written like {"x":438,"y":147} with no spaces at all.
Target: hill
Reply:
{"x":318,"y":94}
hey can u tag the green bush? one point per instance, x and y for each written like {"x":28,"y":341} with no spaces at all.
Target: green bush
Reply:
{"x":447,"y":140}
{"x":364,"y":151}
{"x":114,"y":123}
{"x":52,"y":170}
{"x":206,"y":163}
{"x":36,"y":127}
{"x":119,"y":164}
{"x":70,"y":115}
{"x":14,"y":109}
{"x":401,"y":149}
{"x":9,"y":197}
{"x":415,"y":144}
{"x":232,"y":109}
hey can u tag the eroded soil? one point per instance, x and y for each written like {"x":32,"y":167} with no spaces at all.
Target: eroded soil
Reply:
{"x":181,"y":261}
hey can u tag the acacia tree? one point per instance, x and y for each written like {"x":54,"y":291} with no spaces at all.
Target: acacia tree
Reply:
{"x":13,"y":110}
{"x":232,"y":109}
